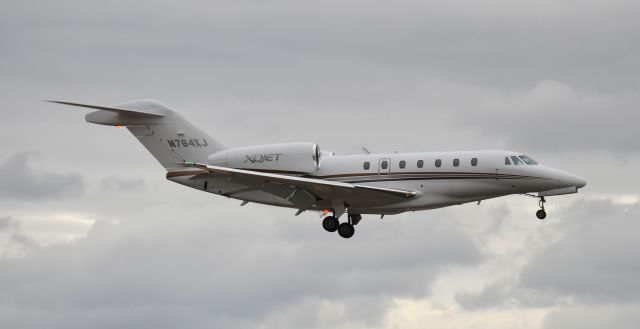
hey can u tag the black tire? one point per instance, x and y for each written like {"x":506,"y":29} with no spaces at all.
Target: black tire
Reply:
{"x":541,"y":214}
{"x":330,"y":224}
{"x":346,"y":230}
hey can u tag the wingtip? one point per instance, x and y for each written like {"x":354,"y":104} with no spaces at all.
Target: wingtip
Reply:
{"x":61,"y":102}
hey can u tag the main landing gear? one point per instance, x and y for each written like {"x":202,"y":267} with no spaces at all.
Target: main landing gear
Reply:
{"x":330,"y":224}
{"x":346,"y":229}
{"x":541,"y":214}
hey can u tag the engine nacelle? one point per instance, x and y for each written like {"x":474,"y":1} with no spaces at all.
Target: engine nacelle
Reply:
{"x":291,"y":158}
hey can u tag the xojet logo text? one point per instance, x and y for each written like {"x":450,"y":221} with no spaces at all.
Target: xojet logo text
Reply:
{"x":260,"y":158}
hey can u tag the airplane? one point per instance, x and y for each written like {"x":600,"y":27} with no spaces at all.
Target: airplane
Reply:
{"x":301,"y":176}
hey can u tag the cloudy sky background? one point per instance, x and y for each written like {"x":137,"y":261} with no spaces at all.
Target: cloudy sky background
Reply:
{"x":93,"y":236}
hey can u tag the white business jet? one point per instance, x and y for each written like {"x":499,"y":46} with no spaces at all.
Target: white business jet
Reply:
{"x":301,"y":176}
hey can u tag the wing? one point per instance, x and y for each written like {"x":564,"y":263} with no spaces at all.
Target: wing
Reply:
{"x":306,"y":192}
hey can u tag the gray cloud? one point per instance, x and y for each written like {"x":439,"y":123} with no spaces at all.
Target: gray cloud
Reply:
{"x":19,"y":181}
{"x":624,"y":316}
{"x":596,"y":260}
{"x":220,"y":273}
{"x":504,"y":294}
{"x":5,"y":223}
{"x":554,"y":117}
{"x":507,"y":46}
{"x":593,"y":263}
{"x":121,"y":184}
{"x":13,"y":242}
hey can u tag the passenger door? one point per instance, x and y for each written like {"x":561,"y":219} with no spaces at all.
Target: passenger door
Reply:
{"x":384,"y":166}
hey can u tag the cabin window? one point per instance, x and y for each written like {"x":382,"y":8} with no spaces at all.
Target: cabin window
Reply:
{"x":516,"y":161}
{"x":420,"y":163}
{"x":402,"y":164}
{"x":384,"y":164}
{"x":456,"y":162}
{"x":474,"y":161}
{"x":528,"y":160}
{"x":366,"y":165}
{"x":438,"y":163}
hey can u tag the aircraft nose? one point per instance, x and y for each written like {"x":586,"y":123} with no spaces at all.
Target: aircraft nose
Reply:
{"x":564,"y":179}
{"x":578,"y":181}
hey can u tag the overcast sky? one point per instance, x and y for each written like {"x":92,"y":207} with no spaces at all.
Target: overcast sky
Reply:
{"x":93,"y":236}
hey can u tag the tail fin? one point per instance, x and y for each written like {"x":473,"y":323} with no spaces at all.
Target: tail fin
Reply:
{"x":164,"y":133}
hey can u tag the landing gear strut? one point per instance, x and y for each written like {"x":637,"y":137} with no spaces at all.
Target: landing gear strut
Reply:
{"x":541,"y":214}
{"x":354,"y":219}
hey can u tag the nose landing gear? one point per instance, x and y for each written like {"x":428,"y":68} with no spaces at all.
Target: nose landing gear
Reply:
{"x":541,"y":214}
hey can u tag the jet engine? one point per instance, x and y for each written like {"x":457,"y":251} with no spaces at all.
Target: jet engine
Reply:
{"x":286,"y":158}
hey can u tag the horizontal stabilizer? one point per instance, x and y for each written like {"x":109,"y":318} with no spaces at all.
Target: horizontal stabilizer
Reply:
{"x":145,"y":113}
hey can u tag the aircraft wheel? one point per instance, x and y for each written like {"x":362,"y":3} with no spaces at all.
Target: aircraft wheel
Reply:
{"x":330,"y":224}
{"x":541,"y":214}
{"x":346,"y":230}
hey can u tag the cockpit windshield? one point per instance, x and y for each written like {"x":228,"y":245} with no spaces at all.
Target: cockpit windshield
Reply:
{"x":516,"y":160}
{"x":528,"y":160}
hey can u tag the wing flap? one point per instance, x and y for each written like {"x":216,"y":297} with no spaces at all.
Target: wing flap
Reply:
{"x":405,"y":193}
{"x":279,"y":189}
{"x":302,"y":199}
